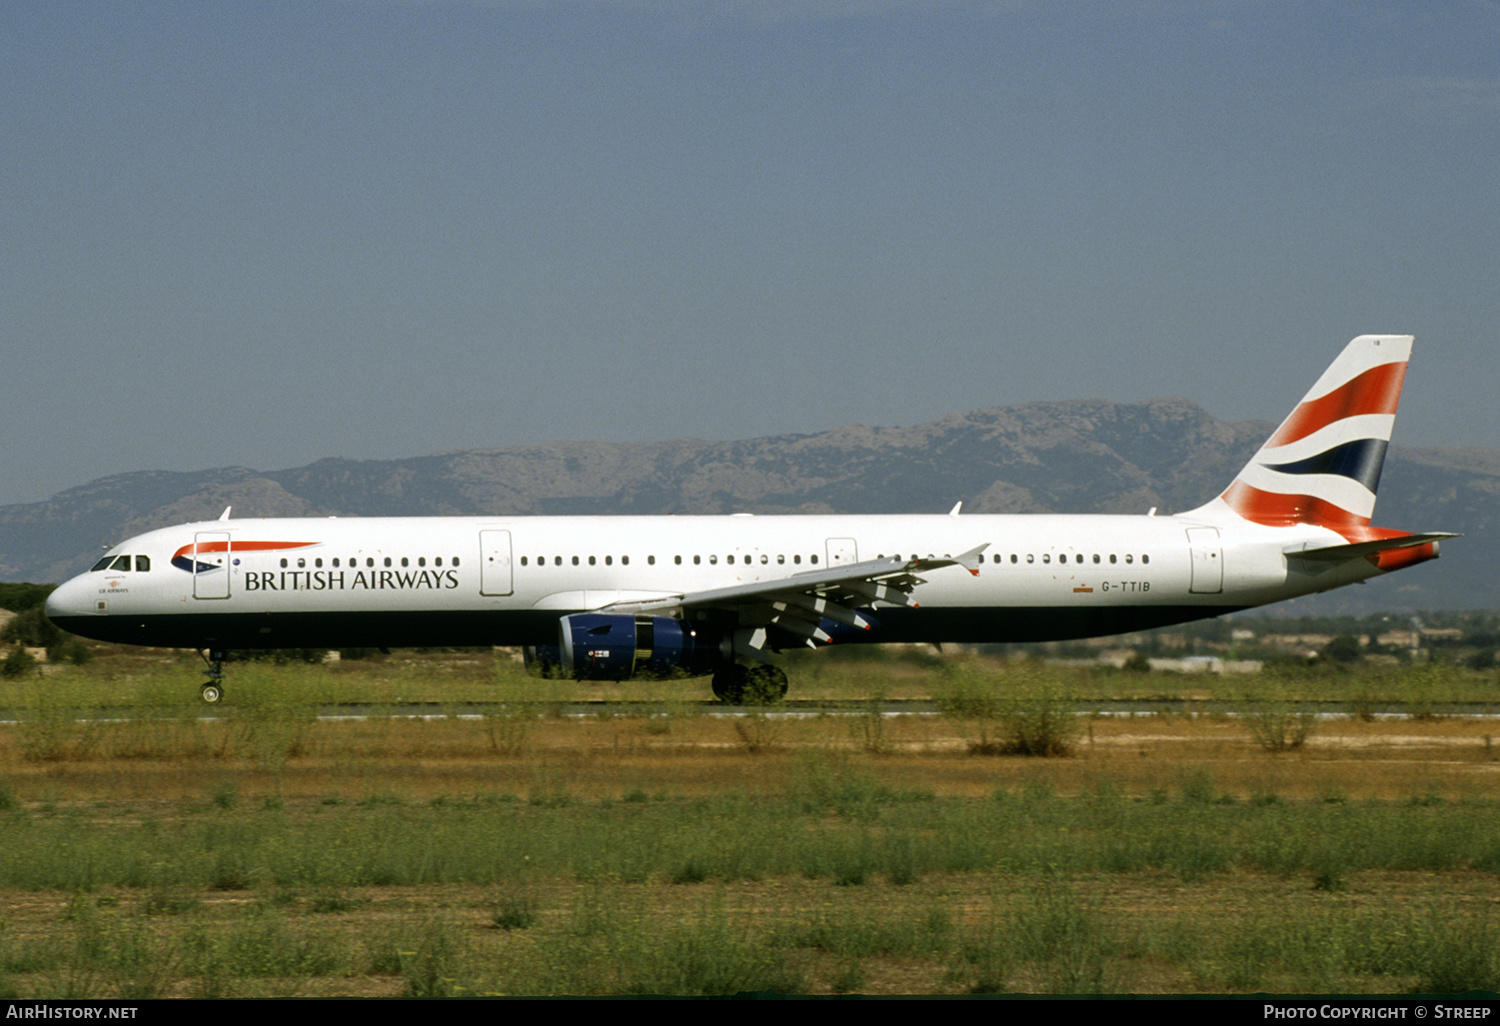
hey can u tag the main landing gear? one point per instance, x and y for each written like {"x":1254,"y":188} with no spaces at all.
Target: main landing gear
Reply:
{"x":213,"y":688}
{"x":761,"y":684}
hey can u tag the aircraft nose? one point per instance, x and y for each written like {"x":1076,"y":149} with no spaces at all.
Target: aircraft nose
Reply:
{"x":71,"y":603}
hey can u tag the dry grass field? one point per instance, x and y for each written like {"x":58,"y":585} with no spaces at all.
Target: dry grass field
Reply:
{"x":682,"y":850}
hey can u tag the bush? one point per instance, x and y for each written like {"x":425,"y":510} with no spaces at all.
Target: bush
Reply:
{"x":1037,"y":719}
{"x":32,"y":628}
{"x":20,"y":663}
{"x":70,"y":650}
{"x":1343,"y":649}
{"x":20,"y":597}
{"x":1277,"y":723}
{"x":1022,"y":713}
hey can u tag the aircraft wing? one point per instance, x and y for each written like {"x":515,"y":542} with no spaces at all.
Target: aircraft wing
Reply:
{"x":815,"y":605}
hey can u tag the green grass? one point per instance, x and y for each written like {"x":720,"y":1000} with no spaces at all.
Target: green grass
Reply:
{"x":785,"y":858}
{"x":168,"y":682}
{"x":826,"y":827}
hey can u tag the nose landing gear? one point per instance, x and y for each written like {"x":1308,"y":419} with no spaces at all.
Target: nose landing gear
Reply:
{"x":213,"y":688}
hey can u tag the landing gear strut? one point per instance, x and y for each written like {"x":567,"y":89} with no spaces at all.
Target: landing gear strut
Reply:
{"x":760,"y":684}
{"x":213,"y":688}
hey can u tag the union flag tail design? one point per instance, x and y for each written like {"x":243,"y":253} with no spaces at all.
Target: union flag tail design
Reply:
{"x":1322,"y":465}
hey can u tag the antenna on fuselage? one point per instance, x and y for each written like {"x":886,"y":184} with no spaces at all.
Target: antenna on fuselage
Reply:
{"x":225,"y":515}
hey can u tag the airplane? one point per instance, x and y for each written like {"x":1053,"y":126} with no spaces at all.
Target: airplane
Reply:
{"x":612,"y":598}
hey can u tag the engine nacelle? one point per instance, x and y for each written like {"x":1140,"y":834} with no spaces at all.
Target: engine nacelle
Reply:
{"x":600,"y":646}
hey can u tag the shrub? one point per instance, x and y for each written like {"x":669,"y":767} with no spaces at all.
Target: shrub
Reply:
{"x":1277,"y":723}
{"x":1037,"y":719}
{"x":20,"y":663}
{"x":1022,"y":713}
{"x":70,"y":650}
{"x":31,"y":627}
{"x":1344,"y":648}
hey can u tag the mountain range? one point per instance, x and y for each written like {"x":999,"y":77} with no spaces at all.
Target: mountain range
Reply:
{"x":1079,"y":456}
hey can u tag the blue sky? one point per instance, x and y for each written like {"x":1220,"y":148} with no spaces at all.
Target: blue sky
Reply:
{"x":265,"y":233}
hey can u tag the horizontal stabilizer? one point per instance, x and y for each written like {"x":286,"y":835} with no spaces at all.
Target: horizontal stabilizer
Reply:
{"x":1341,"y":553}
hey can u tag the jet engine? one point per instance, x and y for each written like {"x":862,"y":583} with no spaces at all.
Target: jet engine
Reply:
{"x":600,"y":646}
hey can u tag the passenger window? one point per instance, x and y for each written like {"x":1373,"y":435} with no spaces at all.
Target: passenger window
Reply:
{"x":523,"y":560}
{"x":1129,"y":558}
{"x":575,"y":560}
{"x":556,"y":561}
{"x":455,"y":561}
{"x":813,"y":558}
{"x":697,"y":560}
{"x":1112,"y":557}
{"x":780,"y":560}
{"x":283,"y":563}
{"x":1046,"y":557}
{"x":421,"y":561}
{"x":301,"y":564}
{"x":1145,"y":558}
{"x":625,"y":560}
{"x":405,"y":561}
{"x":592,"y":561}
{"x":797,"y":559}
{"x":609,"y":560}
{"x":713,"y":560}
{"x":142,"y":564}
{"x":1030,"y":558}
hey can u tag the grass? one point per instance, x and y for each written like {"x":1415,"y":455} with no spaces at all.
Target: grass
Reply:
{"x":266,"y":852}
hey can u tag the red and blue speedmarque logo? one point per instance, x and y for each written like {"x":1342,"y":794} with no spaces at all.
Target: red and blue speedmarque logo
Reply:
{"x":183,"y":559}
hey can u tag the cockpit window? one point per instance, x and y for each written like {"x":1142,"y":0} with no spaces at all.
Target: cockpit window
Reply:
{"x":102,"y":563}
{"x":142,"y":564}
{"x":122,"y":563}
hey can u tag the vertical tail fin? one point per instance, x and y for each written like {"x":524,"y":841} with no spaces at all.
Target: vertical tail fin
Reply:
{"x":1322,"y":465}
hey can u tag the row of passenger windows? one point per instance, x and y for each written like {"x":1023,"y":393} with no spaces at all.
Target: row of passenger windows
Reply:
{"x":142,"y":563}
{"x":370,"y":561}
{"x":713,"y":560}
{"x":1077,"y":558}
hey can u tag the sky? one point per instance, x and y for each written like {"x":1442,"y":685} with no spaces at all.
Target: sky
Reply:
{"x":261,"y":234}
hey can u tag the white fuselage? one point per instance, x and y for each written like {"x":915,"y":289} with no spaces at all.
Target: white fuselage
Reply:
{"x":507,"y":580}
